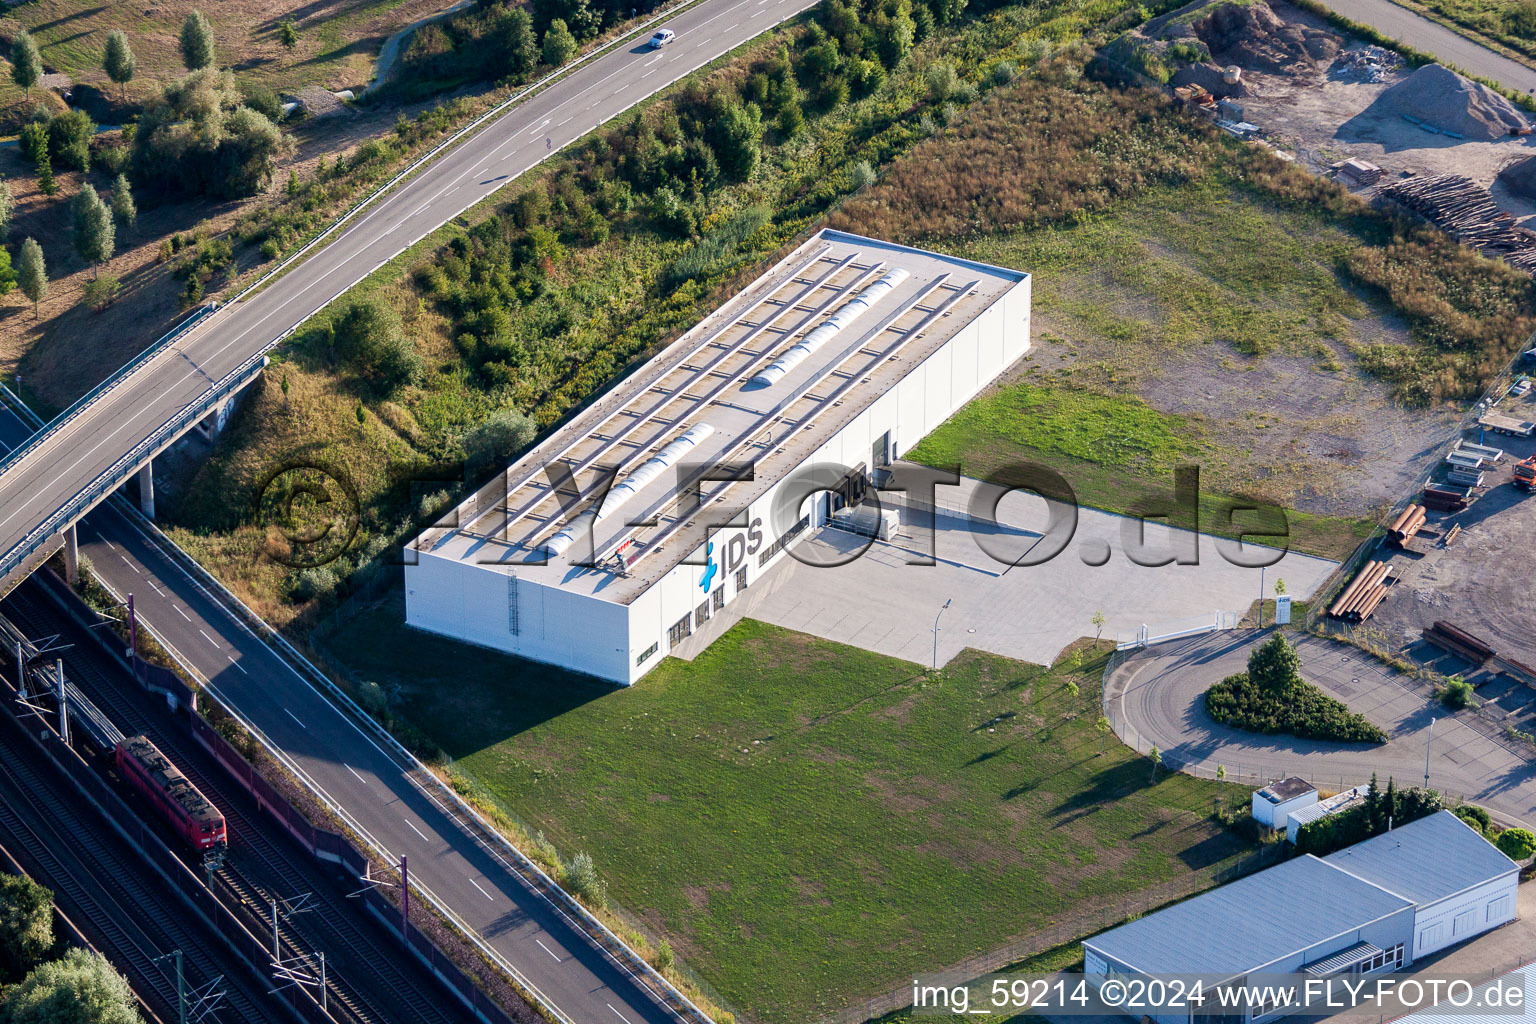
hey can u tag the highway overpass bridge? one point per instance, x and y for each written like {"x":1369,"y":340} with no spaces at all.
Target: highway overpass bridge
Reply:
{"x":114,"y":432}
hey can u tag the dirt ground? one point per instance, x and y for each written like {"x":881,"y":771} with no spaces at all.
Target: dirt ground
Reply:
{"x":1322,"y":120}
{"x":1482,"y":582}
{"x":1336,"y":446}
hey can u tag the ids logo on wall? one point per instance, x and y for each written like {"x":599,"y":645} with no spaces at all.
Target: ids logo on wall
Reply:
{"x":710,"y":568}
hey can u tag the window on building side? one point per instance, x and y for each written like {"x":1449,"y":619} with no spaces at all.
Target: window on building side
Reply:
{"x":741,"y":579}
{"x":647,"y":653}
{"x":679,"y":631}
{"x":701,"y":615}
{"x":719,"y":598}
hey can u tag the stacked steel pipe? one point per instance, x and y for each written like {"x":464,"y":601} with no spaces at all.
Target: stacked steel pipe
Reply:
{"x":1458,"y":641}
{"x":1445,"y":499}
{"x":1361,"y":597}
{"x":1407,"y":523}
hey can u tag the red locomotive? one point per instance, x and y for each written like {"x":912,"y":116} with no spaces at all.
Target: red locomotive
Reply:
{"x":178,"y":801}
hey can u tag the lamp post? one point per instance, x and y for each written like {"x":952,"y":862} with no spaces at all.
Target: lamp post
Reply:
{"x":1427,"y":741}
{"x":936,"y":618}
{"x":1261,"y":595}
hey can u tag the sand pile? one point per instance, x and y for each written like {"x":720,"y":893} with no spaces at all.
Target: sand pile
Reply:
{"x":1520,"y":177}
{"x":1254,"y":37}
{"x":1439,"y":97}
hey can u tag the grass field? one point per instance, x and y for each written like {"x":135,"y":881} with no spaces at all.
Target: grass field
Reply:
{"x":809,"y":822}
{"x":338,"y":39}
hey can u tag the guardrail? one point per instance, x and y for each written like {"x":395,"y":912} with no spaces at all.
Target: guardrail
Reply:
{"x":625,"y":958}
{"x":90,"y":398}
{"x":114,"y":475}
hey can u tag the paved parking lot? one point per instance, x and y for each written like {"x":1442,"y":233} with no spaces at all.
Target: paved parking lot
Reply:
{"x":881,"y":602}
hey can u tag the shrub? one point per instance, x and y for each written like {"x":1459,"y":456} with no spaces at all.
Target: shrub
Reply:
{"x":580,"y":878}
{"x":81,"y":988}
{"x":370,"y":338}
{"x":1394,"y":807}
{"x":1475,"y":816}
{"x":313,"y":582}
{"x":69,"y":139}
{"x":100,"y":293}
{"x":861,"y":174}
{"x":1516,"y":843}
{"x":1456,"y":693}
{"x":499,"y":438}
{"x":26,"y":924}
{"x":1306,"y":712}
{"x":200,"y":137}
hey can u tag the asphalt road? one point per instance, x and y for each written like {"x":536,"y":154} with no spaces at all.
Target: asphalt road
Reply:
{"x":1157,"y":697}
{"x":344,"y":761}
{"x":90,"y":444}
{"x":1431,"y":37}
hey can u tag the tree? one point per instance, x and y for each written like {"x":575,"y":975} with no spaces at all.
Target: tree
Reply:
{"x":123,"y":209}
{"x":95,"y":236}
{"x":946,"y":11}
{"x":1475,"y":816}
{"x":7,"y":209}
{"x":32,"y":273}
{"x":288,"y":34}
{"x":7,"y":274}
{"x":284,"y":385}
{"x":559,"y":44}
{"x":69,"y":139}
{"x":45,"y":181}
{"x":26,"y":924}
{"x":1516,"y":843}
{"x":26,"y":62}
{"x":1279,"y":587}
{"x":517,"y":43}
{"x":895,"y":32}
{"x":118,"y":60}
{"x":80,"y":988}
{"x":1221,"y":773}
{"x":1104,"y":729}
{"x":497,"y":439}
{"x":201,"y":137}
{"x":362,"y":417}
{"x":196,"y":41}
{"x":1274,"y":665}
{"x":1156,"y":757}
{"x":1098,"y":625}
{"x":737,"y":139}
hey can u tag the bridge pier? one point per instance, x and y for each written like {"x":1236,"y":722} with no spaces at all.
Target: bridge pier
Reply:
{"x":147,"y":489}
{"x":72,"y":555}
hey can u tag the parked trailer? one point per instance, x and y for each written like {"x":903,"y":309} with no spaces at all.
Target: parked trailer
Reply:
{"x":1486,"y":452}
{"x":1501,"y":424}
{"x":179,"y":802}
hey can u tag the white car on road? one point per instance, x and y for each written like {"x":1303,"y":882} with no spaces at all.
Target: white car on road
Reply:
{"x":662,"y":37}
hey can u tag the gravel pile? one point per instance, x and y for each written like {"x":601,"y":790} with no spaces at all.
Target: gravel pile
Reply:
{"x":1439,"y":98}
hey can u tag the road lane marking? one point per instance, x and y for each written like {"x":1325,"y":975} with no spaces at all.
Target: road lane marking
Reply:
{"x":131,"y":565}
{"x":549,"y":951}
{"x":482,"y":891}
{"x":354,"y":772}
{"x":417,"y":830}
{"x":209,"y":639}
{"x":156,"y":589}
{"x":566,"y":121}
{"x":181,"y":613}
{"x":296,"y":718}
{"x":235,"y":663}
{"x":623,"y":1018}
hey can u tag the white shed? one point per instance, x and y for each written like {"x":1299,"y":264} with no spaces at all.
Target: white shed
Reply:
{"x":1322,"y":809}
{"x":1274,"y":803}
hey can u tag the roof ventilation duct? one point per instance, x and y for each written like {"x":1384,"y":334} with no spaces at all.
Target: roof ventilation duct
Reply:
{"x":822,"y":333}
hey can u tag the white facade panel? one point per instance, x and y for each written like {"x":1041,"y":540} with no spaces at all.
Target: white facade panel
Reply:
{"x":1460,"y":917}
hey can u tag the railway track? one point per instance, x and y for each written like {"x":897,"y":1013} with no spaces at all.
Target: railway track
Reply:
{"x":370,"y":979}
{"x":103,"y":884}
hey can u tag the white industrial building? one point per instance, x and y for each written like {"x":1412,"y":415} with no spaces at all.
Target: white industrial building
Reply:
{"x":1273,"y":804}
{"x":1373,"y":907}
{"x":625,"y":530}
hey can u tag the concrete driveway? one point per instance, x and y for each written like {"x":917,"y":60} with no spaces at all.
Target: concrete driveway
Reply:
{"x":1156,"y":697}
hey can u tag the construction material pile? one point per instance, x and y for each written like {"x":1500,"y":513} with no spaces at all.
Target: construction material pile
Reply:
{"x":1361,"y":597}
{"x":1445,"y":499}
{"x":1458,"y":641}
{"x":1520,"y":177}
{"x":1366,"y":64}
{"x":1252,"y":36}
{"x":1407,"y":523}
{"x":1467,"y":212}
{"x":1440,"y":101}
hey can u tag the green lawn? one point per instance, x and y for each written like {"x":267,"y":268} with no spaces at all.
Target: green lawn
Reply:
{"x":807,"y":822}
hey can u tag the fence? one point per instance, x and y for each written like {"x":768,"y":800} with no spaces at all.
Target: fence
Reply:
{"x":1176,"y":629}
{"x":1086,"y":921}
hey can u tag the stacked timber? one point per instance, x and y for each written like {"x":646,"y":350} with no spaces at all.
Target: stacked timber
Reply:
{"x":1467,"y":212}
{"x":1458,"y":641}
{"x":1445,"y":499}
{"x":1365,"y":592}
{"x":1407,"y":523}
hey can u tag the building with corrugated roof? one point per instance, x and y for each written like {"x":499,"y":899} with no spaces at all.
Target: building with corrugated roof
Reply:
{"x":1374,"y":906}
{"x":626,"y":530}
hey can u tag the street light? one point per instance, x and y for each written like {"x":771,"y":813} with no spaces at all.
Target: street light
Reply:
{"x":1261,"y":595}
{"x":936,"y":618}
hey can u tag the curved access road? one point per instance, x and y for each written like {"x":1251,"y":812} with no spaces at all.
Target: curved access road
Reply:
{"x":89,"y":446}
{"x":1155,"y":697}
{"x":1429,"y":36}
